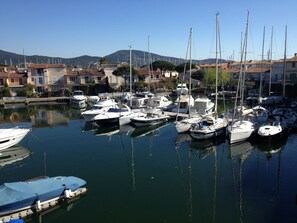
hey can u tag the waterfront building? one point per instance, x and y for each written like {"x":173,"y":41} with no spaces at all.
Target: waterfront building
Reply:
{"x":12,"y":78}
{"x":47,"y":76}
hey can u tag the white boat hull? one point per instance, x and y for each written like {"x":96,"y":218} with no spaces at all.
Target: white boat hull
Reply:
{"x":200,"y":131}
{"x":240,"y":131}
{"x":185,"y":124}
{"x":11,"y":137}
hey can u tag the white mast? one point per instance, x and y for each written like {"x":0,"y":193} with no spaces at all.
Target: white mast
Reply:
{"x":285,"y":64}
{"x":190,"y":81}
{"x":149,"y":63}
{"x":270,"y":73}
{"x":261,"y":75}
{"x":130,"y":71}
{"x":217,"y":33}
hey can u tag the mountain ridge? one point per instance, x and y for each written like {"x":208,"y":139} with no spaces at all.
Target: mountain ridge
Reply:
{"x":139,"y":58}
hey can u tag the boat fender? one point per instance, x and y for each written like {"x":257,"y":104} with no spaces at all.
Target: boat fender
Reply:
{"x":67,"y":193}
{"x":38,"y":205}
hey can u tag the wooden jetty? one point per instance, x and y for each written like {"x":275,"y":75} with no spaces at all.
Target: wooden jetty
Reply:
{"x":43,"y":206}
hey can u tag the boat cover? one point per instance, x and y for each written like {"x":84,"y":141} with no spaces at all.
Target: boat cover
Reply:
{"x":19,"y":195}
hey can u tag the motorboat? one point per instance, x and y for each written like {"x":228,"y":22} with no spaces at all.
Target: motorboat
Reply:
{"x":144,"y":94}
{"x":137,"y":102}
{"x":13,"y":154}
{"x":78,"y":98}
{"x":181,"y":89}
{"x":289,"y":115}
{"x":240,"y":131}
{"x":202,"y":106}
{"x":183,"y":103}
{"x":275,"y":127}
{"x":150,"y":117}
{"x":25,"y":195}
{"x":122,"y":116}
{"x":12,"y":136}
{"x":161,"y":102}
{"x":99,"y":107}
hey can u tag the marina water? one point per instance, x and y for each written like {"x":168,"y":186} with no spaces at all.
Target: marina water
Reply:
{"x":155,"y":175}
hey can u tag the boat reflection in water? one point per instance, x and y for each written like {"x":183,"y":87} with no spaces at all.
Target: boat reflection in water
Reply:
{"x":147,"y":130}
{"x":207,"y":146}
{"x":12,"y":155}
{"x":183,"y":137}
{"x":272,"y":146}
{"x":241,"y":150}
{"x":239,"y":153}
{"x":107,"y":130}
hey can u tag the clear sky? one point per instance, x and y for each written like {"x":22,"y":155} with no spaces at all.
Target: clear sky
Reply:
{"x":70,"y":28}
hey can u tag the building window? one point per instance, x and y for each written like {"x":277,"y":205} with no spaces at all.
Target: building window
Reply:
{"x":99,"y":78}
{"x":293,"y":64}
{"x":293,"y":76}
{"x":1,"y":81}
{"x":86,"y":79}
{"x":40,"y":80}
{"x":20,"y":81}
{"x":32,"y":79}
{"x":11,"y":80}
{"x":73,"y":79}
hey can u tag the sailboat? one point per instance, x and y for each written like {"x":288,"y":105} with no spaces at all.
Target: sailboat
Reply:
{"x":184,"y":103}
{"x":276,"y":125}
{"x":211,"y":126}
{"x":241,"y":129}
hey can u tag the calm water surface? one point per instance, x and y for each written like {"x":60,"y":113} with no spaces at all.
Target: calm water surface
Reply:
{"x":157,"y":176}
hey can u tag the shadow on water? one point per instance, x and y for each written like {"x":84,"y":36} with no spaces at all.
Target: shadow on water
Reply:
{"x":54,"y":213}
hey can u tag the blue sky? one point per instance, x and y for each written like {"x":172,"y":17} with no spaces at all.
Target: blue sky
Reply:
{"x":98,"y":28}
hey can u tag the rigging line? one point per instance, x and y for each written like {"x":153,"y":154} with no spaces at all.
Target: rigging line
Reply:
{"x":190,"y":186}
{"x":181,"y":170}
{"x":125,"y":154}
{"x":133,"y":166}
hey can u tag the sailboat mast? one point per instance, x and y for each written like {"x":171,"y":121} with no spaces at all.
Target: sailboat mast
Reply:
{"x":190,"y":81}
{"x":149,"y":63}
{"x":217,"y":67}
{"x":244,"y":59}
{"x":270,"y":73}
{"x":285,"y":64}
{"x":130,"y":71}
{"x":261,"y":75}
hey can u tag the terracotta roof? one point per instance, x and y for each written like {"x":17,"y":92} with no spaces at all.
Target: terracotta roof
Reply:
{"x":249,"y":70}
{"x":85,"y":72}
{"x":145,"y":72}
{"x":11,"y":75}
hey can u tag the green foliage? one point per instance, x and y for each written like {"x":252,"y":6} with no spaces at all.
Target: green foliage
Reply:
{"x":163,"y":65}
{"x":198,"y":75}
{"x":5,"y":92}
{"x":209,"y":78}
{"x":123,"y":71}
{"x":27,"y":91}
{"x":181,"y":67}
{"x":103,"y":60}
